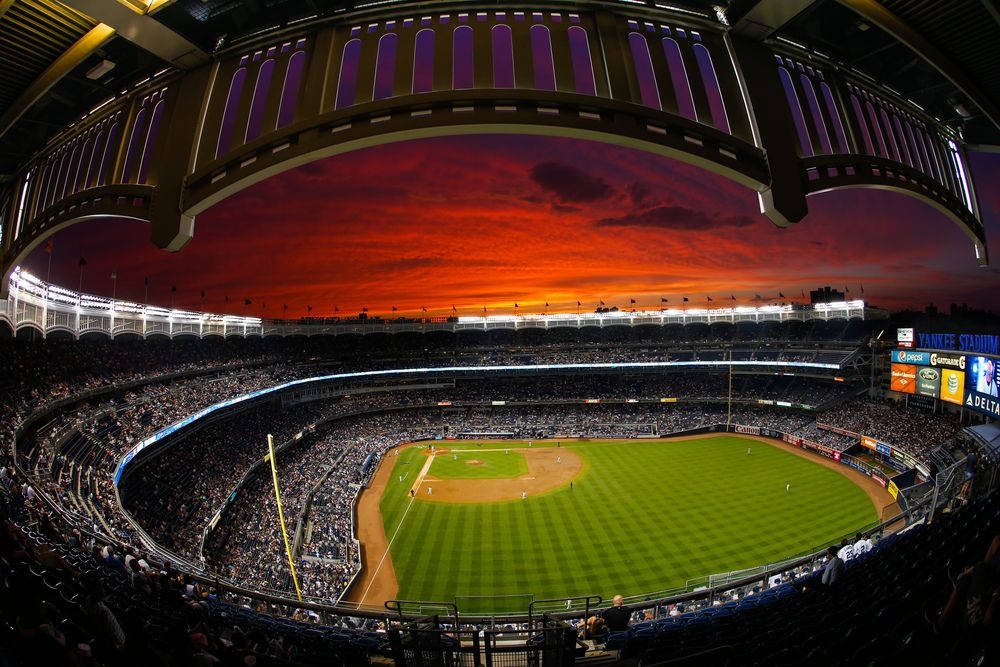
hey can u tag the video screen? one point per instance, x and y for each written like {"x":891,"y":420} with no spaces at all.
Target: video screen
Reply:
{"x":984,"y":376}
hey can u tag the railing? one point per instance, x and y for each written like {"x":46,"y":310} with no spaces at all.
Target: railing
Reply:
{"x":46,"y":308}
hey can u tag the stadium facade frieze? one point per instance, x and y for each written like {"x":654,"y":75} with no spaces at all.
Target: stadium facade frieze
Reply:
{"x":784,"y":121}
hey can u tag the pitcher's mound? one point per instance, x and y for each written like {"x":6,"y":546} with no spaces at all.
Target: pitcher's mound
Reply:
{"x":474,"y":462}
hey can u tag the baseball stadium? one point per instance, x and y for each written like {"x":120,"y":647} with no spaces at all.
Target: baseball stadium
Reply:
{"x":506,"y":336}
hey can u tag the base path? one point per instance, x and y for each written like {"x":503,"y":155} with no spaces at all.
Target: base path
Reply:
{"x":377,"y":581}
{"x":549,"y":468}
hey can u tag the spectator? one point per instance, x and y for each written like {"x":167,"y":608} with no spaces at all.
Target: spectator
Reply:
{"x":616,"y":617}
{"x":834,"y":567}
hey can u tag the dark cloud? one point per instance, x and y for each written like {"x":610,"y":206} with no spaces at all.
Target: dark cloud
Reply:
{"x":679,"y":218}
{"x":640,"y":194}
{"x":570,"y":184}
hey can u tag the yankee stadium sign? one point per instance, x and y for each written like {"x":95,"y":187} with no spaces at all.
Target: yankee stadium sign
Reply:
{"x":982,"y":343}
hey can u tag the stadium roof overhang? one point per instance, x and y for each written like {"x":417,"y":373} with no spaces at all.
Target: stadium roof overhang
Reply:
{"x":941,"y":55}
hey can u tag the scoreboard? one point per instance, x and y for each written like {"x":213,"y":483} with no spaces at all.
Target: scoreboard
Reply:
{"x":971,"y":380}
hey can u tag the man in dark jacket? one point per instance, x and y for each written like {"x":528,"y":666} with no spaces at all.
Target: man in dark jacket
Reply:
{"x":616,"y":618}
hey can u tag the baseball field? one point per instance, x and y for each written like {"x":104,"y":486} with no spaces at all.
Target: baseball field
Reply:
{"x":494,"y":524}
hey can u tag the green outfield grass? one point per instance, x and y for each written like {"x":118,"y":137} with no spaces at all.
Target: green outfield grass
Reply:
{"x":644,"y":516}
{"x":494,"y":465}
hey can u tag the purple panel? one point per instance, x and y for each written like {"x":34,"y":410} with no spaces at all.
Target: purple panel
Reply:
{"x":712,"y":90}
{"x":110,"y":148}
{"x":95,"y":161}
{"x":901,"y":139}
{"x":229,"y":113}
{"x":72,"y":167}
{"x":834,"y":113}
{"x":133,"y":144}
{"x":541,"y":58}
{"x":644,"y":73}
{"x":423,"y":61}
{"x":81,"y":170}
{"x":290,"y":88}
{"x":931,"y":158}
{"x":147,"y":149}
{"x":258,"y":103}
{"x":817,"y":115}
{"x":503,"y":57}
{"x":583,"y":66}
{"x":385,"y":67}
{"x":873,"y":118}
{"x":43,"y":186}
{"x":860,"y":117}
{"x":70,"y":173}
{"x":60,"y":178}
{"x":918,"y":157}
{"x":347,"y":84}
{"x":887,"y":128}
{"x":462,"y":69}
{"x":805,"y":143}
{"x":679,"y":78}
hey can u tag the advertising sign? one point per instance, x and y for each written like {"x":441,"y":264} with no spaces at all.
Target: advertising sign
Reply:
{"x":904,"y":378}
{"x":948,"y":360}
{"x":904,"y":337}
{"x":870,"y":443}
{"x":882,"y":448}
{"x":982,"y":385}
{"x":910,"y":357}
{"x":747,"y":430}
{"x":879,"y":478}
{"x":929,"y":381}
{"x":893,"y":490}
{"x":952,"y":386}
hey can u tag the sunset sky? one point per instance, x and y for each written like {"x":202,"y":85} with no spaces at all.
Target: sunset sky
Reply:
{"x":490,"y":220}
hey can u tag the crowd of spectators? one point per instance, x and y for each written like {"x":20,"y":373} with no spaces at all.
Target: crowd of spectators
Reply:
{"x":913,"y":431}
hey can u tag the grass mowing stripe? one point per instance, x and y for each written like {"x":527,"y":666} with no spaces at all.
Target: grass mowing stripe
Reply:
{"x":643,"y":516}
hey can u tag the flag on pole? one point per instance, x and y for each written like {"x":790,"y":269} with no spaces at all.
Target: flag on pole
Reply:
{"x":709,"y":298}
{"x":284,"y":307}
{"x":453,"y":308}
{"x":758,"y":297}
{"x":578,"y":304}
{"x":662,"y":300}
{"x":424,"y":308}
{"x":732,"y":297}
{"x":602,"y":303}
{"x":364,"y":309}
{"x":336,"y":310}
{"x":83,"y":262}
{"x":847,"y":289}
{"x":780,"y":295}
{"x":203,"y":294}
{"x":114,"y":275}
{"x":685,"y":299}
{"x":515,"y":304}
{"x":631,"y":301}
{"x":48,"y":247}
{"x":862,"y":287}
{"x":309,"y":309}
{"x":394,"y":309}
{"x":173,"y":288}
{"x":247,"y":302}
{"x":546,"y":304}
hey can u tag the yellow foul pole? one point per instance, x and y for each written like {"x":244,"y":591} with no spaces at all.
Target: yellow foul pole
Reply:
{"x":281,"y":514}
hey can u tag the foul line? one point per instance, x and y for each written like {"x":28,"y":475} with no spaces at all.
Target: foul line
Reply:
{"x":379,"y":567}
{"x":414,"y":488}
